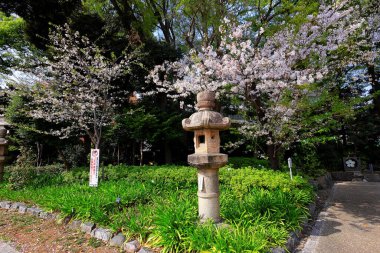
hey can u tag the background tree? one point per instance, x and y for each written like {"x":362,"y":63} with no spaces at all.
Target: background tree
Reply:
{"x":267,"y":79}
{"x":79,"y":93}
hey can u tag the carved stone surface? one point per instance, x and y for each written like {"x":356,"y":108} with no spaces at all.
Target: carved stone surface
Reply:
{"x":206,"y":125}
{"x":205,"y":118}
{"x":207,"y":161}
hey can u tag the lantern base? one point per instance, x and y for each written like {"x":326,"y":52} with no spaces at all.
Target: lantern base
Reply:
{"x":207,"y":161}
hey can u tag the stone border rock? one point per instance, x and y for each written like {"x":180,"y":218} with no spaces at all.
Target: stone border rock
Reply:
{"x":90,"y":228}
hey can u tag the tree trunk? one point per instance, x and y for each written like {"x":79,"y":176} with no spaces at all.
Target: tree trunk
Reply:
{"x":374,"y":79}
{"x":118,"y":154}
{"x":65,"y":162}
{"x":141,"y":152}
{"x":133,"y":153}
{"x":273,"y":157}
{"x":168,"y":153}
{"x":39,"y":154}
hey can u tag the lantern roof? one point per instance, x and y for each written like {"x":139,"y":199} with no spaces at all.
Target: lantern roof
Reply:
{"x":205,"y":118}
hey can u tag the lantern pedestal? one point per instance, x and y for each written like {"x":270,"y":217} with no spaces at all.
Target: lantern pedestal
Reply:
{"x":208,"y":184}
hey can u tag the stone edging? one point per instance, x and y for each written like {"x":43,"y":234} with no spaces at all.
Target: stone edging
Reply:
{"x":322,"y":182}
{"x":119,"y":239}
{"x":90,"y":228}
{"x":294,"y":237}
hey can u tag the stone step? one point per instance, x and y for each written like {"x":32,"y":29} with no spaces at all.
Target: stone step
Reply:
{"x":372,"y":177}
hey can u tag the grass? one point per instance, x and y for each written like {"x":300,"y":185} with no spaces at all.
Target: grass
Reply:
{"x":158,"y":205}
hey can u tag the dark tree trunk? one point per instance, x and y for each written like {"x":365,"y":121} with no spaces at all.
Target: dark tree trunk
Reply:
{"x":273,"y":157}
{"x":39,"y":154}
{"x":65,"y":162}
{"x":374,"y":79}
{"x":141,"y":152}
{"x":168,"y":153}
{"x":118,"y":154}
{"x":133,"y":153}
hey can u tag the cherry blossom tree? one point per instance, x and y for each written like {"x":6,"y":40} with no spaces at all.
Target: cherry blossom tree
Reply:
{"x":268,"y":74}
{"x":77,"y":91}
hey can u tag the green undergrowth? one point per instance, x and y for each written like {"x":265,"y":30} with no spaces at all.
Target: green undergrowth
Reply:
{"x":158,"y":205}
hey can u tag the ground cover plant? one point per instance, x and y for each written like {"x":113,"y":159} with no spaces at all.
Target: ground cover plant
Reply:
{"x":158,"y":205}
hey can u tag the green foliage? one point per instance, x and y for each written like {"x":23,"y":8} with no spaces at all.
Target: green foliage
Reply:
{"x":15,"y":50}
{"x":306,"y":160}
{"x":11,"y":31}
{"x":244,"y":181}
{"x":27,"y":175}
{"x":241,"y":162}
{"x":158,"y":205}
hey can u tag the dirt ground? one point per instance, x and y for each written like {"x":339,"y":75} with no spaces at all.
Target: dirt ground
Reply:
{"x":30,"y":234}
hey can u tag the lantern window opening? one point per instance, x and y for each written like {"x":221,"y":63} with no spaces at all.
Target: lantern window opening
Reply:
{"x":201,"y":139}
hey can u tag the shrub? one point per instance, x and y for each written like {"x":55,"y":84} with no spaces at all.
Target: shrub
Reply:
{"x":246,"y":179}
{"x":242,"y":162}
{"x":21,"y":176}
{"x":158,"y":205}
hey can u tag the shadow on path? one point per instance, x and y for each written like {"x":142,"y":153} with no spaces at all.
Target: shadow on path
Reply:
{"x":351,"y":221}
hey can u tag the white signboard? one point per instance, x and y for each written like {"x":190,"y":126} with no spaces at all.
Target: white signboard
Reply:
{"x":94,"y":167}
{"x":290,"y":163}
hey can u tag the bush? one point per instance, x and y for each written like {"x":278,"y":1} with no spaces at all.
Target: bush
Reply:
{"x":242,"y":162}
{"x":306,"y":160}
{"x":21,"y":176}
{"x":246,"y":179}
{"x":158,"y":204}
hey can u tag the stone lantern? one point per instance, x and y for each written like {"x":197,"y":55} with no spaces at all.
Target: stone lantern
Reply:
{"x":3,"y":146}
{"x":206,"y":125}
